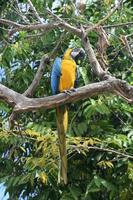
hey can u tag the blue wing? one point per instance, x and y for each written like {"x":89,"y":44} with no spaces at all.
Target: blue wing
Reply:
{"x":55,"y":76}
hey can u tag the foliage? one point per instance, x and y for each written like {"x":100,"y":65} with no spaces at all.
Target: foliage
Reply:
{"x":100,"y":135}
{"x":30,"y":164}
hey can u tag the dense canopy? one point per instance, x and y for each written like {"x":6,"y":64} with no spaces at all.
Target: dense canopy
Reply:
{"x":100,"y":135}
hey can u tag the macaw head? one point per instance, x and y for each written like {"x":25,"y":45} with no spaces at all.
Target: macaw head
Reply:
{"x":75,"y":54}
{"x":78,"y":54}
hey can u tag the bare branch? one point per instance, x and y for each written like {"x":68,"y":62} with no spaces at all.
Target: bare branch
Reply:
{"x":129,"y":35}
{"x":35,"y":11}
{"x":65,"y":25}
{"x":38,"y":76}
{"x":18,"y":11}
{"x":32,"y":36}
{"x":26,"y":104}
{"x":118,"y":25}
{"x":104,"y":149}
{"x":31,"y":88}
{"x":124,"y":90}
{"x":126,"y":44}
{"x":105,"y":18}
{"x":45,"y":27}
{"x":9,"y":23}
{"x":57,"y":18}
{"x":10,"y":96}
{"x":23,"y":103}
{"x":97,"y":69}
{"x":102,"y":44}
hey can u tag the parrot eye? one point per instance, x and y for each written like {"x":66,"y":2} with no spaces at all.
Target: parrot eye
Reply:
{"x":78,"y":54}
{"x":74,"y":53}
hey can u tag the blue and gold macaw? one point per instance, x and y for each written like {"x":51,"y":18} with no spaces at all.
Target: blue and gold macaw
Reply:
{"x":63,"y":78}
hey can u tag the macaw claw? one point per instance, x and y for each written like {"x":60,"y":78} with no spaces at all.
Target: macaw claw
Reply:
{"x":69,"y":92}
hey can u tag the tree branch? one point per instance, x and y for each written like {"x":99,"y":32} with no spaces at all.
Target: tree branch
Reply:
{"x":105,"y":18}
{"x":10,"y":96}
{"x":18,"y":11}
{"x":120,"y":89}
{"x":65,"y":25}
{"x":9,"y":23}
{"x":26,"y":136}
{"x":118,"y":25}
{"x":23,"y":103}
{"x":112,"y":85}
{"x":126,"y":44}
{"x":34,"y":11}
{"x":104,"y":149}
{"x":37,"y":78}
{"x":97,"y":69}
{"x":45,"y":27}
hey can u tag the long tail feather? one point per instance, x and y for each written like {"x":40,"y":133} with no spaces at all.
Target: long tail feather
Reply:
{"x":62,"y":124}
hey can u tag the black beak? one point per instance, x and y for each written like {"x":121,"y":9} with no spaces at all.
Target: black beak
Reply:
{"x":78,"y":54}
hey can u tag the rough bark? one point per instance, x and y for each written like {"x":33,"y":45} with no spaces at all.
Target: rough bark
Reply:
{"x":23,"y":104}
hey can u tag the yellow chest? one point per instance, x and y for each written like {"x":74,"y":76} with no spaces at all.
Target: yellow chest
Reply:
{"x":68,"y":75}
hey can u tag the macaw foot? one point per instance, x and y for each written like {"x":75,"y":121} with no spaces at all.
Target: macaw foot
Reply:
{"x":69,"y":91}
{"x":73,"y":90}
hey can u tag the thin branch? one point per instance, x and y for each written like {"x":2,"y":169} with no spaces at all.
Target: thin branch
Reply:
{"x":112,"y":151}
{"x":45,"y":27}
{"x":38,"y":76}
{"x":74,"y":117}
{"x":10,"y":23}
{"x":21,"y":135}
{"x":24,"y":135}
{"x":65,"y":25}
{"x":126,"y":44}
{"x":17,"y":10}
{"x":95,"y":148}
{"x":105,"y":18}
{"x":34,"y":35}
{"x":129,"y":35}
{"x":116,"y":53}
{"x":104,"y":149}
{"x":34,"y":11}
{"x":118,"y":25}
{"x":54,"y":16}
